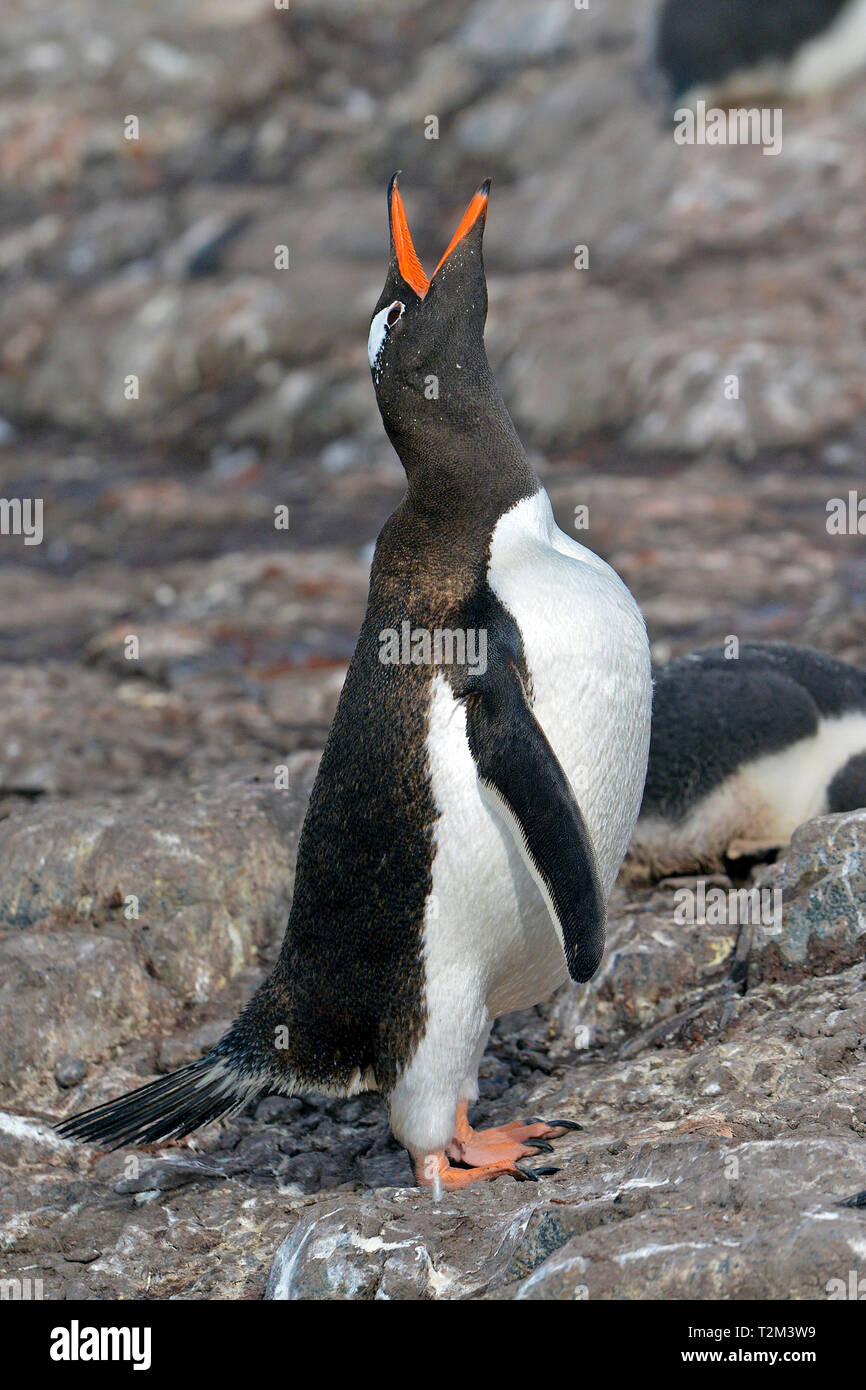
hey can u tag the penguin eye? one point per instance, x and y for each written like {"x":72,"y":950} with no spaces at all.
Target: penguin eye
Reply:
{"x":385,"y":319}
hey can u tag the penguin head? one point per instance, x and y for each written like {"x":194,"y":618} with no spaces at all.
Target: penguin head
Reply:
{"x":426,"y":342}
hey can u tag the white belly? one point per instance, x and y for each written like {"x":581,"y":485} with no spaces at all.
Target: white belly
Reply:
{"x":490,"y":945}
{"x":588,"y":658}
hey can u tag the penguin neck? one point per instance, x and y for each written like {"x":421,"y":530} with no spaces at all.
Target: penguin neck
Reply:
{"x":463,"y":458}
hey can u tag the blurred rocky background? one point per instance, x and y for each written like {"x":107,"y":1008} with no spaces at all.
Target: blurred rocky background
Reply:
{"x":145,"y":852}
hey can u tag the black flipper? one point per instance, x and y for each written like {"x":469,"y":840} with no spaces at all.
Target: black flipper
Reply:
{"x":518,"y":767}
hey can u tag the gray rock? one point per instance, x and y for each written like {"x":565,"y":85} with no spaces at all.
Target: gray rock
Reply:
{"x":821,"y":883}
{"x":501,"y":29}
{"x":133,"y":910}
{"x":69,"y":1070}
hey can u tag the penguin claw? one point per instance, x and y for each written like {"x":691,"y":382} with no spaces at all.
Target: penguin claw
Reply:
{"x":541,"y":1146}
{"x":533,"y":1174}
{"x":556,"y":1124}
{"x":524,"y":1174}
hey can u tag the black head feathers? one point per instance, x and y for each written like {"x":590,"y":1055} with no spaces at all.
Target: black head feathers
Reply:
{"x":426,"y":329}
{"x":439,"y":401}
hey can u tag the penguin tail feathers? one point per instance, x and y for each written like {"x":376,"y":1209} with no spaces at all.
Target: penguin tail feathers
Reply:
{"x":169,"y":1108}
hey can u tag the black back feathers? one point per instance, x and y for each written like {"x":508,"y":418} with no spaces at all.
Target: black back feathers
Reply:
{"x":712,"y":715}
{"x":702,"y":42}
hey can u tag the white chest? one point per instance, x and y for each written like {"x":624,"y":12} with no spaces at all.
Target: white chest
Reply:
{"x":588,"y":658}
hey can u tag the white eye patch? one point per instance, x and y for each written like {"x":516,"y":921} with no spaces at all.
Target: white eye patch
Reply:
{"x":382,"y":321}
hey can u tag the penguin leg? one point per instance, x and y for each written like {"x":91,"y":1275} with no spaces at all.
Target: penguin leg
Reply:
{"x":442,"y":1074}
{"x":479,"y":1148}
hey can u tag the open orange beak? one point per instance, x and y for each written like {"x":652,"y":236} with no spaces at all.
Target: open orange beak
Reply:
{"x":408,"y":263}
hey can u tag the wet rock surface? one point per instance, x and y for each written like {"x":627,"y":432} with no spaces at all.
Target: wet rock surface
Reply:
{"x":119,"y":914}
{"x":171,"y":653}
{"x":821,"y":892}
{"x":712,"y":1163}
{"x":723,"y":1131}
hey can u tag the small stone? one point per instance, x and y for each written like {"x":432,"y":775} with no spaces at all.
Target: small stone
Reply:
{"x":69,"y":1070}
{"x":274,"y":1109}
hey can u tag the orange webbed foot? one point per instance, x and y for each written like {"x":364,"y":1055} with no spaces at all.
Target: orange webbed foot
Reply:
{"x":434,"y":1170}
{"x":480,"y":1155}
{"x":502,"y":1143}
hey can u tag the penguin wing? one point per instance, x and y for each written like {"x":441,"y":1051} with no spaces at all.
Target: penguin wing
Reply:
{"x":519,"y":769}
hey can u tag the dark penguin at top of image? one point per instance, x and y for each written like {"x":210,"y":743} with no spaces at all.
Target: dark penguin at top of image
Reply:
{"x":726,"y":49}
{"x":480,"y":782}
{"x":743,"y":751}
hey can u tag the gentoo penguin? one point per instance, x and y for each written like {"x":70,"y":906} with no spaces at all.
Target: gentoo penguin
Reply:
{"x":743,"y":751}
{"x":480,"y":782}
{"x":728,"y":49}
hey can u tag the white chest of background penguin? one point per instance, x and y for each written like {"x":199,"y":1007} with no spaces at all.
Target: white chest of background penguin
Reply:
{"x":466,"y":824}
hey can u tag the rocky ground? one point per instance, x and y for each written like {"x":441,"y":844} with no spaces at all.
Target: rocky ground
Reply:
{"x":146,"y":834}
